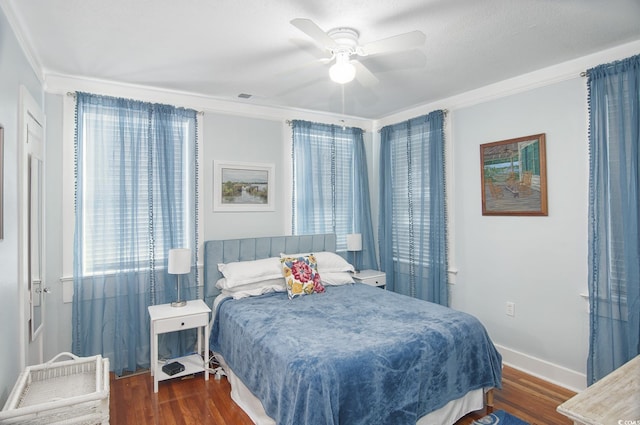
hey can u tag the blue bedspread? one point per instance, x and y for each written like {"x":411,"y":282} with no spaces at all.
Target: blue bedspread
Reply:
{"x":354,"y":354}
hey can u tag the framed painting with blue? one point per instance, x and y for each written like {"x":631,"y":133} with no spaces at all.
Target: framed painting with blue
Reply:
{"x":514,"y":176}
{"x":243,"y":186}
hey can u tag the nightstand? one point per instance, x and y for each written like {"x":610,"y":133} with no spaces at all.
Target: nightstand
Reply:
{"x":371,"y":277}
{"x":165,"y":318}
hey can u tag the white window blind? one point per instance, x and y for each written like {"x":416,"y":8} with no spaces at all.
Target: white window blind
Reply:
{"x":411,"y":200}
{"x":331,"y":197}
{"x":122,"y":195}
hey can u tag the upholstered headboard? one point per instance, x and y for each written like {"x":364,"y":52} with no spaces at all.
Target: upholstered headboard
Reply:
{"x":230,"y":250}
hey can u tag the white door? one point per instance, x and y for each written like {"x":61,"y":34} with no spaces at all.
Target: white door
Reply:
{"x":32,"y":286}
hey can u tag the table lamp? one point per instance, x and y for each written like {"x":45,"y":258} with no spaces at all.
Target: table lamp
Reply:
{"x":179,"y":263}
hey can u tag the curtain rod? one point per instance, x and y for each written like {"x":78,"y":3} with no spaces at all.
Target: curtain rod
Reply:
{"x":290,"y":122}
{"x":73,"y":94}
{"x":444,"y":111}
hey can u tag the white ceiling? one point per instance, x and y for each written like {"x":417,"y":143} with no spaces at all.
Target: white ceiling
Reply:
{"x":221,"y":48}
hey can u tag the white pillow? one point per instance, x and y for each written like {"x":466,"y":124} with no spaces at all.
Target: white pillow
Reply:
{"x":254,"y":289}
{"x":336,"y":278}
{"x":328,"y":262}
{"x":243,"y":272}
{"x":332,"y":262}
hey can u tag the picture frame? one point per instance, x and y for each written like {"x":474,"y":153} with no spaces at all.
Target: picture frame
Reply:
{"x":243,"y":186}
{"x":514,"y":176}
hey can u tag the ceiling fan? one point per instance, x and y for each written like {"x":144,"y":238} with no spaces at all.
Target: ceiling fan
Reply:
{"x":342,"y":44}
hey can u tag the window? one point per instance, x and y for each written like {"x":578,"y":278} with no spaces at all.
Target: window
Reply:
{"x":409,"y":164}
{"x":326,"y":202}
{"x":137,"y":179}
{"x":331,"y":187}
{"x":412,"y":209}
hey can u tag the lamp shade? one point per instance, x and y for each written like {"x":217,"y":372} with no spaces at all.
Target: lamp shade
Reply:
{"x":179,"y":261}
{"x":354,"y":242}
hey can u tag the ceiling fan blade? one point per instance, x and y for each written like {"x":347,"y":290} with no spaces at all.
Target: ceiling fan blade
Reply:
{"x":310,"y":28}
{"x":395,"y":61}
{"x":404,"y":41}
{"x":364,"y":76}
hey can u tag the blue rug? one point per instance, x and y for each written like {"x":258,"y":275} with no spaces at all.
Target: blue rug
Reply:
{"x":500,"y":417}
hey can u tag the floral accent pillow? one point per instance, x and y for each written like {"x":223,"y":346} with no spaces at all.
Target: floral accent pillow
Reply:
{"x":301,"y":275}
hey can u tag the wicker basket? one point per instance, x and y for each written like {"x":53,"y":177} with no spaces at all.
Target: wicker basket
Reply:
{"x":61,"y":392}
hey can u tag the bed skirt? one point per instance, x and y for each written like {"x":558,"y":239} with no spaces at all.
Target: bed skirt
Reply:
{"x":446,"y":415}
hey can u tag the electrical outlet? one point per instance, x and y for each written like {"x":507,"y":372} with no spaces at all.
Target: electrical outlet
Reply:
{"x":510,"y":309}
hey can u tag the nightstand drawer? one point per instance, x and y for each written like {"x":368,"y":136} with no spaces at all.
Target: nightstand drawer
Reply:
{"x":375,"y":281}
{"x":184,"y":322}
{"x":371,"y":277}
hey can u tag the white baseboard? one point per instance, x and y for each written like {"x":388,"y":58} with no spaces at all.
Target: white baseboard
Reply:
{"x":558,"y":375}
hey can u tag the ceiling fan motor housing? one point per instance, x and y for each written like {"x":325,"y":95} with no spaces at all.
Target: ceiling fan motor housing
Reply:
{"x":346,"y":40}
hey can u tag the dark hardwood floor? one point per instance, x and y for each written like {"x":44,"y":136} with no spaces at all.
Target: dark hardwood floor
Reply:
{"x":196,"y":401}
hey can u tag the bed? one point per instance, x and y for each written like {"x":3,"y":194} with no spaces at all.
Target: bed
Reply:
{"x":353,"y":354}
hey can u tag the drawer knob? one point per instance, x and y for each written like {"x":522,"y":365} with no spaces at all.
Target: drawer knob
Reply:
{"x":182,"y":324}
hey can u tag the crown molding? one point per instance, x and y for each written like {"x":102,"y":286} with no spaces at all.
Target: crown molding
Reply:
{"x":23,"y":42}
{"x":522,"y":83}
{"x":61,"y":84}
{"x":64,"y":84}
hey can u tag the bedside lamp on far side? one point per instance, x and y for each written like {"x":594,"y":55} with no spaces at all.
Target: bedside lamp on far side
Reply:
{"x":179,"y":263}
{"x":354,"y":243}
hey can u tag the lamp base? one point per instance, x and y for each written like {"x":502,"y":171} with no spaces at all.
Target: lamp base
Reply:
{"x":180,"y":302}
{"x":355,"y":261}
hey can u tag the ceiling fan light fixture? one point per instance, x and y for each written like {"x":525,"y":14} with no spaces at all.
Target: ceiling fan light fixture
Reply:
{"x":343,"y":42}
{"x":342,"y":71}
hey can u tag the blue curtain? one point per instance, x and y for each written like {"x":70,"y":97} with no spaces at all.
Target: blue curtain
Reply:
{"x":331,"y":187}
{"x":135,"y":198}
{"x":412,"y":233}
{"x":614,"y":215}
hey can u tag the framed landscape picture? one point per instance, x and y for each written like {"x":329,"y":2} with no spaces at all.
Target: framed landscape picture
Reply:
{"x":514,"y":176}
{"x":242,"y":186}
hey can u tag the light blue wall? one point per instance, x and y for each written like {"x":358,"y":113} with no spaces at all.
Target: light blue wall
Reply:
{"x":243,"y":139}
{"x":540,"y":263}
{"x":246,"y":139}
{"x":15,"y":71}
